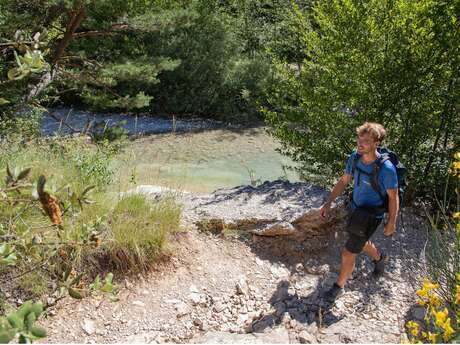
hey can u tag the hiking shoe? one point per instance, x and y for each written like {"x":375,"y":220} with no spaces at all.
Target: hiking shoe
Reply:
{"x":379,"y":265}
{"x":333,"y":293}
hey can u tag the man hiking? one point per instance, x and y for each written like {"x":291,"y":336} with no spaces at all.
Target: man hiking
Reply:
{"x":371,"y":187}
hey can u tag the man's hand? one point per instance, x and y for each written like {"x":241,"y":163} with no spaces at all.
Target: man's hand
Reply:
{"x":324,"y":210}
{"x":390,"y":229}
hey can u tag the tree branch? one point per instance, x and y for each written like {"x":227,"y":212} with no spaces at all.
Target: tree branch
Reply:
{"x":77,"y":17}
{"x":113,"y":30}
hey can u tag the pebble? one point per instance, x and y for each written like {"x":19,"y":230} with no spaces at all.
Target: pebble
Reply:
{"x":88,"y":326}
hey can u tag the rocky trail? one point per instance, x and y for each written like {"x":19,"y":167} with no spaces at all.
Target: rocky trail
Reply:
{"x":254,"y":274}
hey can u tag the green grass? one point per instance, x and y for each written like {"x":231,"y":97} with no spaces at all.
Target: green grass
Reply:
{"x":127,"y":233}
{"x":140,"y":229}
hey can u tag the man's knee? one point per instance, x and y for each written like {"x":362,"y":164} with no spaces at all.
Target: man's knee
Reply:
{"x":347,"y":255}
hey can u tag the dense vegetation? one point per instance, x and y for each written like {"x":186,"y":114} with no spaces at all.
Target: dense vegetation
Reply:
{"x":314,"y":70}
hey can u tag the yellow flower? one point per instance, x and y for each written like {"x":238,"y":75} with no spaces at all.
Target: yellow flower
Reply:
{"x":458,"y":276}
{"x":448,"y":330}
{"x":456,"y":215}
{"x":432,"y":337}
{"x":457,"y":156}
{"x":427,"y":287}
{"x":441,"y":317}
{"x":457,"y":294}
{"x":413,"y":328}
{"x":434,"y":300}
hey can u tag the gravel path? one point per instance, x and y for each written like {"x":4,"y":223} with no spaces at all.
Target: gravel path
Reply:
{"x":241,"y":289}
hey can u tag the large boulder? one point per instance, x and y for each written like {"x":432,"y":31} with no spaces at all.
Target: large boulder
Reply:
{"x":271,"y":209}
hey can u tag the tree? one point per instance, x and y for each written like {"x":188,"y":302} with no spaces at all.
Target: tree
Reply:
{"x":39,"y":46}
{"x":394,"y":62}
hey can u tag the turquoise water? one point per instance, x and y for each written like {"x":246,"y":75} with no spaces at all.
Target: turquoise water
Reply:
{"x":204,"y":161}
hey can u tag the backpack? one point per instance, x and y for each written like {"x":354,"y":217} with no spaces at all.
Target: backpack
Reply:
{"x":385,"y":154}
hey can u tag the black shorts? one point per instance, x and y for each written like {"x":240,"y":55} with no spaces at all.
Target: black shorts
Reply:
{"x":355,"y":243}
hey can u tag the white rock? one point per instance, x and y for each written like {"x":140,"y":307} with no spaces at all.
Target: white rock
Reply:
{"x":193,"y":288}
{"x":307,"y":338}
{"x":195,"y":298}
{"x":182,"y":309}
{"x":220,"y":307}
{"x":172,"y":301}
{"x":138,"y":303}
{"x":242,"y":286}
{"x":89,"y":326}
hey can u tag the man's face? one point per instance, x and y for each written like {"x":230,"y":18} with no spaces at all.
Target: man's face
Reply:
{"x":366,"y":144}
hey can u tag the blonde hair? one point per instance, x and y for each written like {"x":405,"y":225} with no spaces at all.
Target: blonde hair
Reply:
{"x":375,"y":130}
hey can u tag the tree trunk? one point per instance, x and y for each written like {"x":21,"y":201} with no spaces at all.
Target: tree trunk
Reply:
{"x":78,"y":14}
{"x":76,"y":17}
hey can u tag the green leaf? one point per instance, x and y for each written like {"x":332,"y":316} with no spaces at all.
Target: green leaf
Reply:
{"x":39,"y":332}
{"x":24,"y":309}
{"x":76,"y":280}
{"x":4,"y":101}
{"x":30,"y":320}
{"x":7,"y":336}
{"x":87,"y":189}
{"x":23,"y":174}
{"x":109,"y":277}
{"x":15,"y":321}
{"x":66,"y":272}
{"x":18,"y":58}
{"x":14,"y":74}
{"x":37,"y":309}
{"x":75,"y":293}
{"x":96,"y":284}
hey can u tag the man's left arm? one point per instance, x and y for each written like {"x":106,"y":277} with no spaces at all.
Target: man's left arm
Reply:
{"x":393,"y":207}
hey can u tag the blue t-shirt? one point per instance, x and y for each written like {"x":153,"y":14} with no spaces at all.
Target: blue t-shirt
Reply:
{"x":364,"y":194}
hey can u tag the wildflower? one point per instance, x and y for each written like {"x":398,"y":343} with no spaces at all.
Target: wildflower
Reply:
{"x":413,"y":328}
{"x":448,"y":330}
{"x":432,"y":337}
{"x":456,"y":215}
{"x":457,"y":294}
{"x":457,"y":156}
{"x":441,"y":317}
{"x":434,"y":300}
{"x":458,"y":276}
{"x":427,"y":287}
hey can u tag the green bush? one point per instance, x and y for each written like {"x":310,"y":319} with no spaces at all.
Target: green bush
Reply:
{"x":76,"y":225}
{"x":140,"y":229}
{"x":395,"y":63}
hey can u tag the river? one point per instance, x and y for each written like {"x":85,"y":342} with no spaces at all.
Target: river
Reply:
{"x":193,"y":155}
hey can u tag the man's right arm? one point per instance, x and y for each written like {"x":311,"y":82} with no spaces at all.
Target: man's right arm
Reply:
{"x":336,"y":191}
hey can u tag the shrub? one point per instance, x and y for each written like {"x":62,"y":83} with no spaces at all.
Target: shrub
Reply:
{"x":397,"y":69}
{"x":140,"y":229}
{"x":441,"y":291}
{"x":59,"y":217}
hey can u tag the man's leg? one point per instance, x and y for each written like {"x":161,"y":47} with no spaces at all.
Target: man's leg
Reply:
{"x":378,"y":258}
{"x":346,"y":269}
{"x":347,"y":266}
{"x":371,"y":250}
